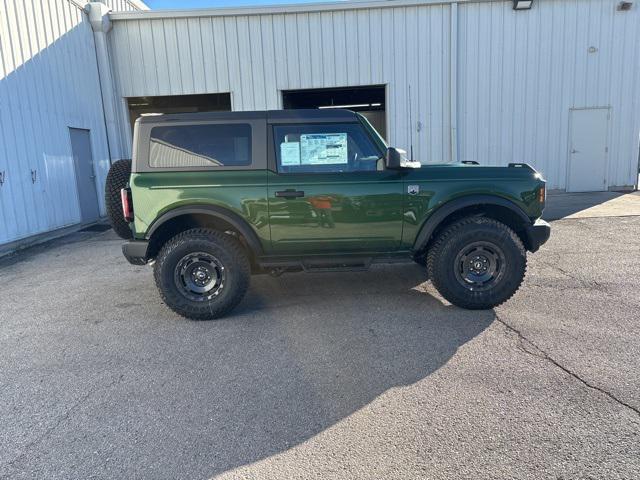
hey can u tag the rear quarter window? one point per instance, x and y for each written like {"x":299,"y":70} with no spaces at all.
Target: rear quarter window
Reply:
{"x":204,"y":145}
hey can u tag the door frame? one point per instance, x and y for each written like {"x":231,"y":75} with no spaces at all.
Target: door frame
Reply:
{"x":93,"y":169}
{"x":569,"y":146}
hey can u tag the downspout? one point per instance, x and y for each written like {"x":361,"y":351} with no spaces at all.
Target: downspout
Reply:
{"x":453,"y":82}
{"x":101,"y":24}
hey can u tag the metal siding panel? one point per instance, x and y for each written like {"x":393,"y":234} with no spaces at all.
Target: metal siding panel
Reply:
{"x":546,"y":70}
{"x":317,"y":49}
{"x":233,"y":62}
{"x":376,"y":39}
{"x":48,"y":82}
{"x":158,"y":54}
{"x":388,"y":73}
{"x":351,"y":50}
{"x":197,"y":55}
{"x":185,"y":56}
{"x":364,"y":59}
{"x":518,"y":73}
{"x":208,"y":55}
{"x":304,"y":50}
{"x":291,"y":52}
{"x":220,"y":52}
{"x":149,"y":63}
{"x":137,"y":60}
{"x":437,"y":71}
{"x":270,"y":76}
{"x":341,"y":64}
{"x":257,"y":63}
{"x":173,"y":59}
{"x":410,"y":74}
{"x":280,"y":48}
{"x":327,"y":38}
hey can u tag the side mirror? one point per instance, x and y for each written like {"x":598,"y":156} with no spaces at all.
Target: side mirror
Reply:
{"x":396,"y":159}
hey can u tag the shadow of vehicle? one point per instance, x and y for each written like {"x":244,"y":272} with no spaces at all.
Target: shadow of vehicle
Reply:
{"x":561,"y":205}
{"x":301,"y":353}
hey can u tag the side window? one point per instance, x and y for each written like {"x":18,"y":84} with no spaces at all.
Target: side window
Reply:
{"x":206,"y":145}
{"x":329,"y":147}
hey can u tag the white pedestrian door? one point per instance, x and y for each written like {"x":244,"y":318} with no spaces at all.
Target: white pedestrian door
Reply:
{"x":588,"y":150}
{"x":85,"y":177}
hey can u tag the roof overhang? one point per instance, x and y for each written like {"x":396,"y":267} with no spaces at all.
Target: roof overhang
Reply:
{"x":291,"y":8}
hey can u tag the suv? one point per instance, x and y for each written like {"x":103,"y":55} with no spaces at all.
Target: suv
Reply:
{"x":211,"y":198}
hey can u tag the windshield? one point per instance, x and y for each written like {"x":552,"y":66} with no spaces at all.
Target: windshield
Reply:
{"x":373,"y":132}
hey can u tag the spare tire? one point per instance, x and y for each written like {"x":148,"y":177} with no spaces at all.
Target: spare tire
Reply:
{"x":117,"y":179}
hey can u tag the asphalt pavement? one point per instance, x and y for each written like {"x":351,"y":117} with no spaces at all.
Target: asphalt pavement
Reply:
{"x":326,"y":375}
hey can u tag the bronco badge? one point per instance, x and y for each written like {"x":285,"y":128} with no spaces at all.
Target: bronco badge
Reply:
{"x":413,"y":189}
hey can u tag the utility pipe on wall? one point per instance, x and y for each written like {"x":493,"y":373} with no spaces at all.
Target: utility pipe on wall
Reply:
{"x":101,"y":24}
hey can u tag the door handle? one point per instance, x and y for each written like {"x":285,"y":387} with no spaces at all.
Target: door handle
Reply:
{"x":290,"y":194}
{"x":573,"y":150}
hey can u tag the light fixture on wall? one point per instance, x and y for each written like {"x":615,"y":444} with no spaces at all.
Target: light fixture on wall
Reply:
{"x":522,"y":4}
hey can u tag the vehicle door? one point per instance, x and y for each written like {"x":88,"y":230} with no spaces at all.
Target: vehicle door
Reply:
{"x":329,"y":191}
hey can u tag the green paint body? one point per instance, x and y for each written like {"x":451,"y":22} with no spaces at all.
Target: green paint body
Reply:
{"x":339,"y":212}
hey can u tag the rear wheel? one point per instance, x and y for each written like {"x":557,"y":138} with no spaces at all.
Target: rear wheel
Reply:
{"x":477,"y":263}
{"x":117,"y":179}
{"x":202,"y":274}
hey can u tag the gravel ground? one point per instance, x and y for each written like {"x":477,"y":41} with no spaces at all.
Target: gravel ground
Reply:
{"x":356,"y":375}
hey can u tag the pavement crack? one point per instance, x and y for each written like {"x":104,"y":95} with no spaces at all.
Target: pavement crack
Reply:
{"x":35,"y":442}
{"x":531,"y":348}
{"x":582,"y":281}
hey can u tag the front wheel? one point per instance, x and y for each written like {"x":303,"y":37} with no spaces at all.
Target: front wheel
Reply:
{"x":202,"y":274}
{"x":477,"y":263}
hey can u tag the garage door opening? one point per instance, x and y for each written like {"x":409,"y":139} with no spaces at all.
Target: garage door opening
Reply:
{"x":368,"y":101}
{"x":212,"y":102}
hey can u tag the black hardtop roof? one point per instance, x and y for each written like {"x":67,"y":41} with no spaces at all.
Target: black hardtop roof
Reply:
{"x":275,"y":116}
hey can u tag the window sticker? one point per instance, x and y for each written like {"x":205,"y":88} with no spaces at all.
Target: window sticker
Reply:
{"x":289,"y":154}
{"x":323,"y":149}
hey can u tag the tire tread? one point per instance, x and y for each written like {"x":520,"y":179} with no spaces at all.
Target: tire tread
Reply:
{"x":176,"y":302}
{"x":117,"y":179}
{"x":481,"y":300}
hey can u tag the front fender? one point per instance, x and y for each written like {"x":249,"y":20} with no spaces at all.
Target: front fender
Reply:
{"x":436,"y":218}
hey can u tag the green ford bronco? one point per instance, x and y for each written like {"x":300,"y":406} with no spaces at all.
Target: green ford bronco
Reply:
{"x":211,"y":198}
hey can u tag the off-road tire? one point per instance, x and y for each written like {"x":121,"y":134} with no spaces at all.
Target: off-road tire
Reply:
{"x":221,"y":246}
{"x":442,"y":262}
{"x":117,"y":179}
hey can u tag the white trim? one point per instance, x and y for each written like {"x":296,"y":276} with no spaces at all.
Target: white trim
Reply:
{"x":291,"y":8}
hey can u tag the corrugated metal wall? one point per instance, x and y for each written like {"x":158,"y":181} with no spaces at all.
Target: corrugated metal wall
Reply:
{"x":254,"y":57}
{"x":48,"y":83}
{"x":518,"y":73}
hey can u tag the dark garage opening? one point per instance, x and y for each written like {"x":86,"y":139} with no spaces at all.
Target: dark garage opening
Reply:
{"x":368,"y":101}
{"x":211,"y":102}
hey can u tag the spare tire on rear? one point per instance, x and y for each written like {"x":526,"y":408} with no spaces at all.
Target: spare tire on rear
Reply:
{"x":117,"y":179}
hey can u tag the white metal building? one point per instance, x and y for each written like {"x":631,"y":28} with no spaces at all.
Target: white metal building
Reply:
{"x":49,"y":110}
{"x":556,"y":86}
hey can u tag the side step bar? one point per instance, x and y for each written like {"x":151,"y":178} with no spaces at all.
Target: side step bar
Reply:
{"x":337,"y":266}
{"x":329,"y":264}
